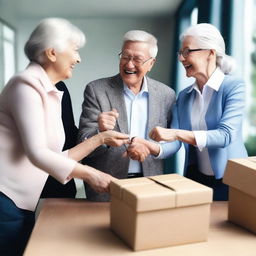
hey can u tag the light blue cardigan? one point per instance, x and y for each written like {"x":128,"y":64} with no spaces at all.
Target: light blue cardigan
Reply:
{"x":224,"y":122}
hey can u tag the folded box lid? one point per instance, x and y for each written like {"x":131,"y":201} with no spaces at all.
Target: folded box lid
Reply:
{"x":160,"y":192}
{"x":188,"y":192}
{"x":241,"y":174}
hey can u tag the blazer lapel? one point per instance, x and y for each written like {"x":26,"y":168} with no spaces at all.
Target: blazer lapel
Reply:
{"x":154,"y":106}
{"x":116,"y":100}
{"x":189,"y":98}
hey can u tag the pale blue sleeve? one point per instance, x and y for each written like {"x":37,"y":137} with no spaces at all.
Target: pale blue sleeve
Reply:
{"x":170,"y":148}
{"x":231,"y":120}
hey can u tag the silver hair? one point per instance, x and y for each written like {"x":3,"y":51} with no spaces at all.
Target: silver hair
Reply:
{"x":142,"y":36}
{"x":209,"y":37}
{"x":54,"y":33}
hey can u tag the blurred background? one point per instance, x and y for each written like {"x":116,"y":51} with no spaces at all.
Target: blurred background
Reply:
{"x":105,"y":21}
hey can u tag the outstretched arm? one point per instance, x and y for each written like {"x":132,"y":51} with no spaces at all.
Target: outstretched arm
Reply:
{"x":110,"y":138}
{"x":165,"y":134}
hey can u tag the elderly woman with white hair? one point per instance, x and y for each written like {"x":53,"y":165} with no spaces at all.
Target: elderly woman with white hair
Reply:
{"x":207,"y":117}
{"x":32,"y":134}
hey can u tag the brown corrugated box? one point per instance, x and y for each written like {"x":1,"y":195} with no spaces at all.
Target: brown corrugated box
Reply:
{"x":240,"y":175}
{"x":159,"y":211}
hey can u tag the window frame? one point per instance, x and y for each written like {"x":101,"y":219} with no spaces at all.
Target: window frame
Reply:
{"x":3,"y":78}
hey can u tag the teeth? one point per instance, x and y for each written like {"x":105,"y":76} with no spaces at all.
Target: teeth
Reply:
{"x":130,"y":72}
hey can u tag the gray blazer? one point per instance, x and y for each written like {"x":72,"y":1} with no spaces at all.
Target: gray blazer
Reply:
{"x":104,"y":95}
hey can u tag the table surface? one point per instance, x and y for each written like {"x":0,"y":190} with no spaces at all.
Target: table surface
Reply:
{"x":77,"y":227}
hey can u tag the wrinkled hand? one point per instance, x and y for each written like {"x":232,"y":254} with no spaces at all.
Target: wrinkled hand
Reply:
{"x":113,"y":138}
{"x":99,"y":181}
{"x":138,"y":150}
{"x":163,"y":134}
{"x":107,"y":120}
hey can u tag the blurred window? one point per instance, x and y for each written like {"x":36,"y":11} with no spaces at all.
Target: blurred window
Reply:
{"x":7,"y":53}
{"x":247,"y":64}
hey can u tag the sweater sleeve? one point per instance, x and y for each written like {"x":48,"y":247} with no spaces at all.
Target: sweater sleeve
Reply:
{"x":28,"y":111}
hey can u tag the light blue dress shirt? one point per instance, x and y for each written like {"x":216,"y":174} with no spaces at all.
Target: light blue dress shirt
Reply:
{"x":137,"y":115}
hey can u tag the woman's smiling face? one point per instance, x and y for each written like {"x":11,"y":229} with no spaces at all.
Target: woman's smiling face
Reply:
{"x":197,"y":62}
{"x":66,"y":61}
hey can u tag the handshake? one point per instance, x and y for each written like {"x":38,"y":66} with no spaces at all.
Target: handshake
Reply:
{"x":139,"y":148}
{"x":136,"y":148}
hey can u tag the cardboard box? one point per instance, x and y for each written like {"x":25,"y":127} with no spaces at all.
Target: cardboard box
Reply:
{"x":159,"y":211}
{"x":240,"y":175}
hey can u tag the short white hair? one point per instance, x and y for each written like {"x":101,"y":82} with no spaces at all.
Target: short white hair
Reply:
{"x":54,"y":33}
{"x":142,"y":36}
{"x":209,"y":37}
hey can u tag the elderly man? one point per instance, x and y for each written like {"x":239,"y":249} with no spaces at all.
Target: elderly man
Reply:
{"x":129,"y":102}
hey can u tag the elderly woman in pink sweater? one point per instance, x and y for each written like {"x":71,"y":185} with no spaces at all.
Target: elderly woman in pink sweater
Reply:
{"x":32,"y":135}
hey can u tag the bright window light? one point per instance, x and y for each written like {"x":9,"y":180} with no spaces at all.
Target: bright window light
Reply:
{"x":7,"y":53}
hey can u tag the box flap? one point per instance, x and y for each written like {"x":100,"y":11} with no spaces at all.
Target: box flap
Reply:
{"x":149,"y":197}
{"x":188,"y":192}
{"x":160,"y":192}
{"x":241,"y":174}
{"x":117,"y":186}
{"x":169,"y":177}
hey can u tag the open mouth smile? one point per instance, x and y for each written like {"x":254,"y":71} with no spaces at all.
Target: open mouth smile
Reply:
{"x":128,"y":72}
{"x":187,"y":66}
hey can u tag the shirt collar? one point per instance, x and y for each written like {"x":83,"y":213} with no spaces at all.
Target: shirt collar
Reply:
{"x":144,"y":87}
{"x":214,"y":81}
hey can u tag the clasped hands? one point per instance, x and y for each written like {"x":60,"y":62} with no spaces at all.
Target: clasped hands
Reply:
{"x":137,"y":148}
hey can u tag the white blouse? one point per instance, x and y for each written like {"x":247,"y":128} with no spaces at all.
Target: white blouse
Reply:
{"x":198,"y":123}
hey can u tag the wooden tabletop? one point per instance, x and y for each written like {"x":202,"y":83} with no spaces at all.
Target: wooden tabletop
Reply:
{"x":75,"y":227}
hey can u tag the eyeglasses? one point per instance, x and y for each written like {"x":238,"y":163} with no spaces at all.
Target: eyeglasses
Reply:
{"x":137,"y":61}
{"x":187,"y":51}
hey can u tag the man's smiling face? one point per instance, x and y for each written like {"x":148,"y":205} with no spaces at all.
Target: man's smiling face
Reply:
{"x":131,"y":72}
